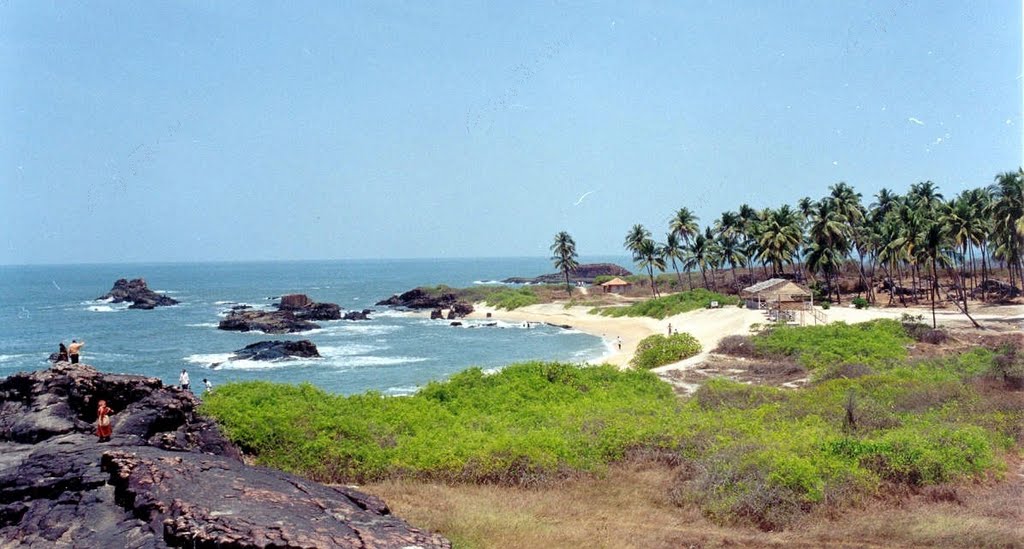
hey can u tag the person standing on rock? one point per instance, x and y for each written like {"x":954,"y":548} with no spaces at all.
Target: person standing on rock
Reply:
{"x":183,"y":379}
{"x":103,"y":429}
{"x":62,"y":353}
{"x":73,"y":350}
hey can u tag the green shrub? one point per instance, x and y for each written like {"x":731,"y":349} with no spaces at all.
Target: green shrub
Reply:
{"x":658,"y":350}
{"x":670,"y":305}
{"x":512,"y":298}
{"x":860,"y":303}
{"x":876,"y":343}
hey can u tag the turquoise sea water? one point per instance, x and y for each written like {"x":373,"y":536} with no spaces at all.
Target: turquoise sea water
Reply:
{"x":394,"y":353}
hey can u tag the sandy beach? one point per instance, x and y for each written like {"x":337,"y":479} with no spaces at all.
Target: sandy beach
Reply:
{"x":709,"y":326}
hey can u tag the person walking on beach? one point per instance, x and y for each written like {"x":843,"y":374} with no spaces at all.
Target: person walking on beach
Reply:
{"x":669,"y":328}
{"x":73,"y":350}
{"x":183,"y":379}
{"x":103,"y":429}
{"x":62,"y":353}
{"x":618,"y":341}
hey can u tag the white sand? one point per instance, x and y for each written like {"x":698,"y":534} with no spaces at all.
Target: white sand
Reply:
{"x":709,"y":326}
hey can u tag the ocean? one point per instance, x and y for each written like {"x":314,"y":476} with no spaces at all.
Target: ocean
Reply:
{"x":395,"y":353}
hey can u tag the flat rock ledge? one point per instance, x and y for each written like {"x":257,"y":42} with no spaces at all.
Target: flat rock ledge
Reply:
{"x":168,"y":478}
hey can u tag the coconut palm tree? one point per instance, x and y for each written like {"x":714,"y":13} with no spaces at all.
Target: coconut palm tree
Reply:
{"x":635,"y":237}
{"x":779,"y":237}
{"x":1008,"y":220}
{"x":730,"y":251}
{"x":684,"y":225}
{"x":700,"y":253}
{"x":564,"y":255}
{"x":673,"y":251}
{"x":647,"y":257}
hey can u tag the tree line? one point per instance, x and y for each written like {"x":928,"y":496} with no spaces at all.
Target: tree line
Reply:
{"x":911,"y":238}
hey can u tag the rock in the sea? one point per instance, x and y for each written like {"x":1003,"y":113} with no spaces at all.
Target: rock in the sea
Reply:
{"x":419,"y":298}
{"x":138,"y":293}
{"x":357,"y":315}
{"x":305,"y":308}
{"x":583,"y":273}
{"x":436,"y":314}
{"x":168,"y":478}
{"x":277,"y":350}
{"x":270,"y":322}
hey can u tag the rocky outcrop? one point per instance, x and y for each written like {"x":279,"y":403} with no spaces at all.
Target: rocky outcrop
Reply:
{"x":305,"y":308}
{"x":270,"y":322}
{"x":277,"y":350}
{"x":168,"y":478}
{"x":138,"y":293}
{"x":420,"y":298}
{"x":584,"y":273}
{"x":357,"y":315}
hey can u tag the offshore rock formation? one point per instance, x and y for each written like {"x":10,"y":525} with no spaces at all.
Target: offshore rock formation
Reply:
{"x":277,"y":350}
{"x":168,"y":478}
{"x":584,"y":273}
{"x":138,"y":293}
{"x":419,"y":298}
{"x":294,"y":314}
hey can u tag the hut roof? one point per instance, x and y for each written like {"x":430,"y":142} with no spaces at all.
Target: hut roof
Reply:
{"x":762,"y":286}
{"x":616,"y":282}
{"x":782,"y":291}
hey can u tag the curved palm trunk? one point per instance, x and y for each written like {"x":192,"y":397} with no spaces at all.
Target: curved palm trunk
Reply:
{"x":704,"y":275}
{"x":568,"y":288}
{"x":935,"y":283}
{"x":654,"y":287}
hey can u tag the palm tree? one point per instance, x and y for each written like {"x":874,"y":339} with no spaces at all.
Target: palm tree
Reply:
{"x":730,"y":250}
{"x":684,"y":225}
{"x":700,"y":253}
{"x":635,"y":237}
{"x":673,"y":251}
{"x":647,"y":257}
{"x":779,"y":237}
{"x":1008,"y":220}
{"x":564,"y":255}
{"x":830,"y":244}
{"x":933,"y":244}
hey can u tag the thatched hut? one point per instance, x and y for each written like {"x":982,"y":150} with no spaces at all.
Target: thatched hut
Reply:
{"x":777,"y":294}
{"x":615,"y":286}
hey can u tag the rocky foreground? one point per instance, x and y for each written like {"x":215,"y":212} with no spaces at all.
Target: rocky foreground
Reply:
{"x":168,"y":478}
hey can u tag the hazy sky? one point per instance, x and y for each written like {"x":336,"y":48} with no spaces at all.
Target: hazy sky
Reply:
{"x":176,"y":131}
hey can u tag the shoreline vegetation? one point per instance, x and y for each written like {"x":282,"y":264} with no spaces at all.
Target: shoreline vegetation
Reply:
{"x":894,"y":420}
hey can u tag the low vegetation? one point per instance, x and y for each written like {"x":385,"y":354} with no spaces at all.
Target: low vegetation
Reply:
{"x":658,"y":350}
{"x":742,"y":454}
{"x":670,"y":305}
{"x":876,"y":343}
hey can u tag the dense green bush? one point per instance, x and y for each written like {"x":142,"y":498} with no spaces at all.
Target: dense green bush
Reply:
{"x":875,"y":343}
{"x":749,"y":454}
{"x":658,"y":350}
{"x":512,"y":298}
{"x":860,"y":303}
{"x":669,"y":305}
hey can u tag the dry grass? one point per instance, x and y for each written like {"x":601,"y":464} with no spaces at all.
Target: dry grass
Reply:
{"x":630,"y":506}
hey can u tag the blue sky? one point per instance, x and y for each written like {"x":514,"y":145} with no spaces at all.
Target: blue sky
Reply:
{"x":179,"y":131}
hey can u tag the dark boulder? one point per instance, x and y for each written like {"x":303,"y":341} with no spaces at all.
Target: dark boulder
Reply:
{"x":420,"y":298}
{"x":460,"y":309}
{"x":138,"y":293}
{"x":436,"y":314}
{"x":357,"y":315}
{"x":270,"y":322}
{"x":305,"y":308}
{"x":277,"y":350}
{"x":168,"y":478}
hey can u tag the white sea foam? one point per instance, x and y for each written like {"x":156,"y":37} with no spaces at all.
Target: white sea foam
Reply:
{"x":203,"y":325}
{"x":341,"y":327}
{"x":377,"y":360}
{"x":223,"y":302}
{"x":8,"y":358}
{"x":102,"y":309}
{"x":394,"y":313}
{"x":401,"y":391}
{"x":347,"y":350}
{"x":208,"y":359}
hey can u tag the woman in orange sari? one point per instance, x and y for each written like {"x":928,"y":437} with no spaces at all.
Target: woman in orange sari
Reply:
{"x":103,"y":429}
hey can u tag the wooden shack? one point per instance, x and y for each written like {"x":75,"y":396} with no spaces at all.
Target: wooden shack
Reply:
{"x":777,"y":294}
{"x":615,"y":286}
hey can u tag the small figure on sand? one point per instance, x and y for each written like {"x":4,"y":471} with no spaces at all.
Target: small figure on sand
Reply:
{"x":669,"y":328}
{"x":103,"y":429}
{"x":62,"y":353}
{"x":207,"y":385}
{"x":74,"y":349}
{"x":183,"y":379}
{"x":618,"y":342}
